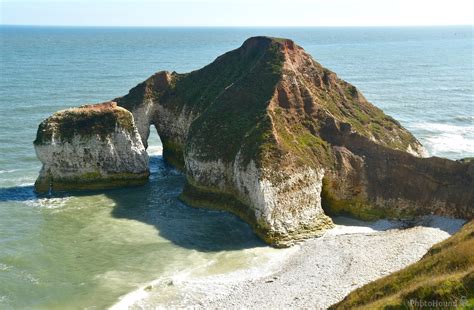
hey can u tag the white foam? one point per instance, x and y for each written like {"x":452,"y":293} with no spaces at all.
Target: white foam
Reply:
{"x":4,"y":267}
{"x":130,"y":299}
{"x":449,"y":142}
{"x":4,"y":299}
{"x":48,"y":203}
{"x":446,"y":138}
{"x":189,"y":286}
{"x":155,"y":150}
{"x":446,"y":128}
{"x":464,"y":118}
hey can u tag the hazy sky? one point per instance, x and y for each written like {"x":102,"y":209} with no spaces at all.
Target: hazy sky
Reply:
{"x":237,"y":12}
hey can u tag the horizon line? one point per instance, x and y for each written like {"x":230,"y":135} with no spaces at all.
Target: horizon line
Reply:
{"x":234,"y":26}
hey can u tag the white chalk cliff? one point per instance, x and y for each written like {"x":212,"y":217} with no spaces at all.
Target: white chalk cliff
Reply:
{"x":90,"y":147}
{"x":266,"y":133}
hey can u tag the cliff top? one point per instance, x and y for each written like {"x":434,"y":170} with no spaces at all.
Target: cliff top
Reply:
{"x":265,"y":41}
{"x":269,"y":94}
{"x":91,"y":119}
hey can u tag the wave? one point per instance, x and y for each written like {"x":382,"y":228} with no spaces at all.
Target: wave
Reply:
{"x":186,"y":286}
{"x":467,"y":128}
{"x":8,"y":171}
{"x":446,"y":139}
{"x":155,"y":150}
{"x":4,"y":267}
{"x":464,"y":118}
{"x":451,"y":143}
{"x":48,"y":203}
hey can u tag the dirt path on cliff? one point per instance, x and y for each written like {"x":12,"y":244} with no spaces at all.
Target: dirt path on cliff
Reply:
{"x":316,"y":273}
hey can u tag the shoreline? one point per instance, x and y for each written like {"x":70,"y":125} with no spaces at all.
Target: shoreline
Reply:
{"x":315,"y":273}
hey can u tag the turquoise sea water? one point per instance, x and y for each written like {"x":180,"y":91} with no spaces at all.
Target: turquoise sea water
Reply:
{"x":88,"y":250}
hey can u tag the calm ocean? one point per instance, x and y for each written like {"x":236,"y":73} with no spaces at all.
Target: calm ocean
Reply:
{"x":88,"y":250}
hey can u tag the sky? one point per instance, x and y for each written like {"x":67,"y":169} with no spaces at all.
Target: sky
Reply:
{"x":237,"y":12}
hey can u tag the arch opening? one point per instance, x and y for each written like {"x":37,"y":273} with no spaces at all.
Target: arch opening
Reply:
{"x":155,"y":146}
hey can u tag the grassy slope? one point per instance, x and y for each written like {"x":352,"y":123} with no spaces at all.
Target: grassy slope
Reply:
{"x":237,"y":96}
{"x":445,"y":273}
{"x":229,"y":96}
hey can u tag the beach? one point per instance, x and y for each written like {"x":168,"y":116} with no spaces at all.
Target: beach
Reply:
{"x":316,"y":273}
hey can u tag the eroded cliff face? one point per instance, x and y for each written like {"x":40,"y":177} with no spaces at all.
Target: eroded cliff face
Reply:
{"x":370,"y":181}
{"x":90,"y":147}
{"x":269,"y":134}
{"x":154,"y":102}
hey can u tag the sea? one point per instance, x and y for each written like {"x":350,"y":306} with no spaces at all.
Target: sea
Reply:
{"x":88,"y":250}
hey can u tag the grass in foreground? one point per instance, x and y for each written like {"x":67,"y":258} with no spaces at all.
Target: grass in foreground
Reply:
{"x":443,"y":278}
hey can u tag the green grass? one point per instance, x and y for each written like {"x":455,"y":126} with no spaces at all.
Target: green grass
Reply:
{"x":236,"y":116}
{"x":85,"y":121}
{"x":230,"y":97}
{"x":445,"y":274}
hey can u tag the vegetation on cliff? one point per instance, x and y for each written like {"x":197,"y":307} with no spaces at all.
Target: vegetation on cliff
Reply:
{"x":90,"y":147}
{"x":251,"y":100}
{"x":277,"y":137}
{"x":87,"y":120}
{"x":445,"y":276}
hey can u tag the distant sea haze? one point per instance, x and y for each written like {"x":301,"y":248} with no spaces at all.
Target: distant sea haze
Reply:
{"x":88,"y":250}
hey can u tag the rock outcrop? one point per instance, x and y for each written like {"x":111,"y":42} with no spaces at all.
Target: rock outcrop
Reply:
{"x":269,"y":134}
{"x":90,"y":147}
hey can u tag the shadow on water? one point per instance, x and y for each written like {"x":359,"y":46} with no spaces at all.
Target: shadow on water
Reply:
{"x":157,"y":204}
{"x":17,"y":193}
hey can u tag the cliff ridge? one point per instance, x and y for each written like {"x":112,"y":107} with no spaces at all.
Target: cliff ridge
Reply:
{"x":269,"y":134}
